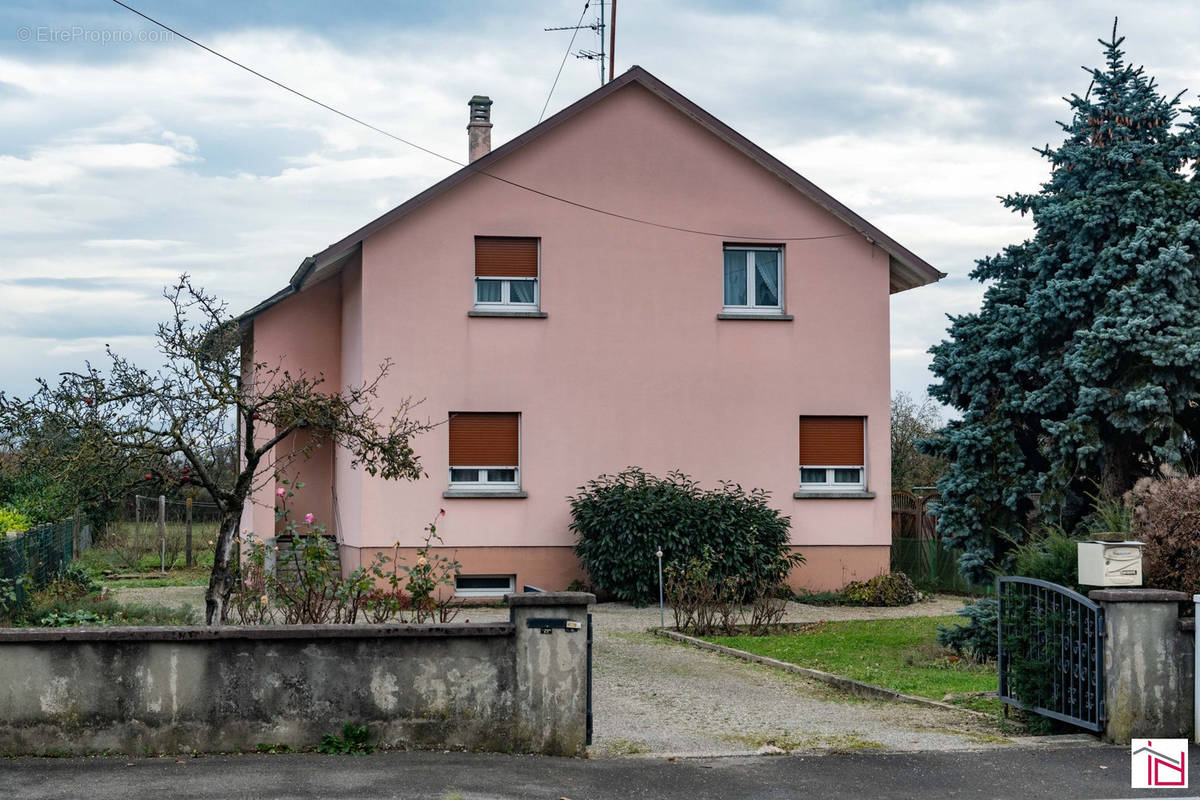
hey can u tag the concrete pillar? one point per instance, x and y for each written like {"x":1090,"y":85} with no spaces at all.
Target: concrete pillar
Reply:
{"x":1147,"y":665}
{"x":551,"y":671}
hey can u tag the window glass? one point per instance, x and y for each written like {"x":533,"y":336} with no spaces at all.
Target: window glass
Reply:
{"x":504,"y":582}
{"x":847,"y":476}
{"x":464,"y":475}
{"x":520,"y":291}
{"x":766,"y":278}
{"x":502,"y":475}
{"x":488,"y":291}
{"x":735,"y":277}
{"x":812,"y":475}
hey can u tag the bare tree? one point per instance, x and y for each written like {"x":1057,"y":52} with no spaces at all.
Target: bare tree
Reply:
{"x":913,"y":422}
{"x":207,"y":396}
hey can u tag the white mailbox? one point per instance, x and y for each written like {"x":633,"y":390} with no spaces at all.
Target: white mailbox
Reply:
{"x":1110,"y":563}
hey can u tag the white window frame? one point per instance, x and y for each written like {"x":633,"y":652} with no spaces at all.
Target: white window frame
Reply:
{"x":512,"y":587}
{"x":484,"y":484}
{"x":505,"y":294}
{"x":829,"y":484}
{"x":751,"y":306}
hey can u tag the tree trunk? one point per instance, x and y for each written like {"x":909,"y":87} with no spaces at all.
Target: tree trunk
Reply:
{"x":222,"y":578}
{"x":1118,"y":471}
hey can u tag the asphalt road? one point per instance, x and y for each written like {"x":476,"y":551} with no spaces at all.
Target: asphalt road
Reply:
{"x":1070,"y":773}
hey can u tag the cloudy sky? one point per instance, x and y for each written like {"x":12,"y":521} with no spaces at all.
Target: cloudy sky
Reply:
{"x":128,"y":156}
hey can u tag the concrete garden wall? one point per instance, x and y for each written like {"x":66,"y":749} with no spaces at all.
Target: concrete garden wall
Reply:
{"x":500,"y":687}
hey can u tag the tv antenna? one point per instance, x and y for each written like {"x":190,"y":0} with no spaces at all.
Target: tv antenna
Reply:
{"x":597,"y":25}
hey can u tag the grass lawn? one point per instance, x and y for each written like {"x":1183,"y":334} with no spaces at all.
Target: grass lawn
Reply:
{"x":900,"y":654}
{"x":120,"y":552}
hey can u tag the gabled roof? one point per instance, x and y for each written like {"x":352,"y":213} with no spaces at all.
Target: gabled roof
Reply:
{"x":907,"y":270}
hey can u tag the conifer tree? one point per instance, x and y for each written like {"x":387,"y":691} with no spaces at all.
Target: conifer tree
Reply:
{"x":1081,"y":371}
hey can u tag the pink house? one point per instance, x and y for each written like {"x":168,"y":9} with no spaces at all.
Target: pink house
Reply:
{"x":631,"y":282}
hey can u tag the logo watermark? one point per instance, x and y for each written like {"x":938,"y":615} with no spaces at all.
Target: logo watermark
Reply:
{"x":1159,"y":764}
{"x":49,"y":34}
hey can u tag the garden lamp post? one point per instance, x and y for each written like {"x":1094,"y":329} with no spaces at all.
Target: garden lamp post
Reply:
{"x":661,"y":615}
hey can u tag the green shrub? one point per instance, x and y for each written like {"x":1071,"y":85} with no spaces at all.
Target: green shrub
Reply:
{"x":1049,"y":555}
{"x":353,"y":741}
{"x":37,"y":498}
{"x":1109,"y":514}
{"x":75,"y":581}
{"x":621,"y":520}
{"x":14,"y":598}
{"x":889,"y":589}
{"x":12,"y":520}
{"x":70,"y":619}
{"x":977,"y":639}
{"x":57,"y":612}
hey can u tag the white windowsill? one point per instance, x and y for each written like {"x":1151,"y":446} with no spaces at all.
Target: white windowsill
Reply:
{"x":506,"y":312}
{"x":833,"y":494}
{"x":484,"y":493}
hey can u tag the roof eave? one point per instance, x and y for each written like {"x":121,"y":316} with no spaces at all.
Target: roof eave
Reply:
{"x":904,"y":275}
{"x":247,"y":317}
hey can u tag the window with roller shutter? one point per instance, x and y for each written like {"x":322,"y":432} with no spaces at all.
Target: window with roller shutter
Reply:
{"x":832,"y":453}
{"x":485,"y":450}
{"x":506,"y":272}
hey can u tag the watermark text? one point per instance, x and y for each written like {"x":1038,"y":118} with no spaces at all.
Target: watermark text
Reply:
{"x":73,"y":34}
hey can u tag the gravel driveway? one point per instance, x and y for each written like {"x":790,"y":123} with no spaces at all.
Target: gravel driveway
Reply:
{"x":656,"y":697}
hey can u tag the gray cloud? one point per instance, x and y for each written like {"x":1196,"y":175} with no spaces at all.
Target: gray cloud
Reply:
{"x":80,"y":284}
{"x":123,"y":166}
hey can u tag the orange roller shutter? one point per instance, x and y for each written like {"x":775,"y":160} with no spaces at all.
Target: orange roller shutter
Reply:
{"x":505,"y":257}
{"x":831,"y":441}
{"x":483,"y":440}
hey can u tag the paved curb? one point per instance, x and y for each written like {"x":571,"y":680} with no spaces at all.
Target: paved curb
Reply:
{"x":857,"y":688}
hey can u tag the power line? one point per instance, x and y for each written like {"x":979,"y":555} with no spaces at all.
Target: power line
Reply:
{"x":476,"y":170}
{"x":286,"y":88}
{"x":567,"y":54}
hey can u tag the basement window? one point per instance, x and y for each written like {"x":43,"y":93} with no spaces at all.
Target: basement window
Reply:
{"x":484,"y":585}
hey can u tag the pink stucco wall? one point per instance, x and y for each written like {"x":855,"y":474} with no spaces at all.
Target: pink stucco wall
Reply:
{"x":302,"y":336}
{"x":631,"y":366}
{"x":348,"y":481}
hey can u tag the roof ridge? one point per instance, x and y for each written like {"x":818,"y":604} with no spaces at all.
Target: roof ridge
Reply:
{"x":917,"y":271}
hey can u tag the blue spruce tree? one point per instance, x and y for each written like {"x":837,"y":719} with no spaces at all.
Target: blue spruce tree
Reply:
{"x":1080,"y":372}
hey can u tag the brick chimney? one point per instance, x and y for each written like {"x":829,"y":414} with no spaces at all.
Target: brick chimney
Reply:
{"x":479,"y":129}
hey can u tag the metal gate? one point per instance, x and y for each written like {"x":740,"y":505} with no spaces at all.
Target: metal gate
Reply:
{"x":1051,"y":651}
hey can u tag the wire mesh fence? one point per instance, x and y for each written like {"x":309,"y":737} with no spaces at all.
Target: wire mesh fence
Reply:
{"x":31,"y":560}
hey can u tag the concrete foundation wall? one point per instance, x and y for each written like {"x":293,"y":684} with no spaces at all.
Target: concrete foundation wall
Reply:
{"x":500,"y":687}
{"x":826,"y":567}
